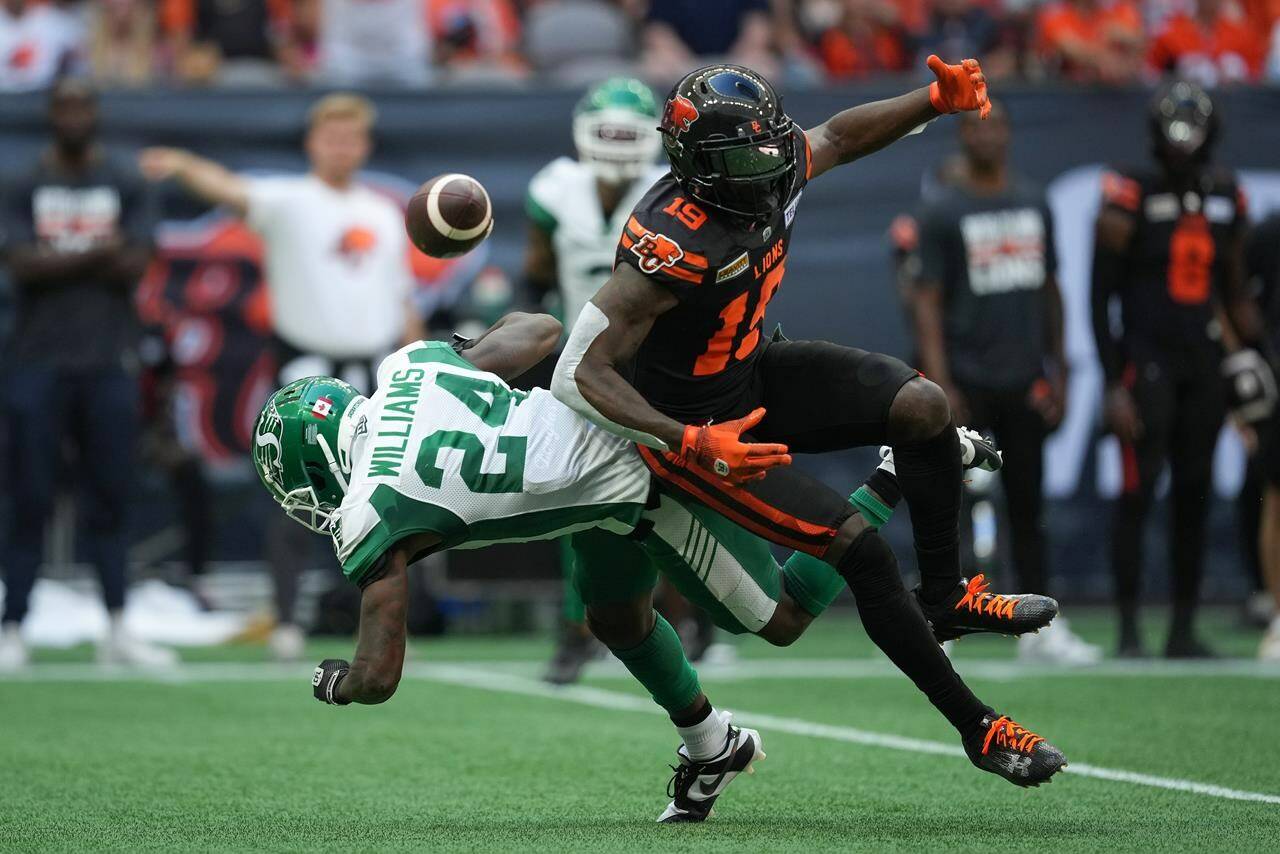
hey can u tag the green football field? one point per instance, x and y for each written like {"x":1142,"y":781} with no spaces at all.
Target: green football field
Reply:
{"x":231,"y":752}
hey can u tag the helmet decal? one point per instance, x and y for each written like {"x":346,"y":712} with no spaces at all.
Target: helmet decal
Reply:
{"x":322,"y":407}
{"x":680,"y":115}
{"x":268,"y":453}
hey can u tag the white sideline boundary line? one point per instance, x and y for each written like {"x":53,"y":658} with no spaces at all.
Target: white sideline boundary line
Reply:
{"x":468,"y":676}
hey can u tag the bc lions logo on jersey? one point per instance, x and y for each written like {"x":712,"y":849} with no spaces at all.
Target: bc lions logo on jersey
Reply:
{"x":656,"y":251}
{"x":679,"y":115}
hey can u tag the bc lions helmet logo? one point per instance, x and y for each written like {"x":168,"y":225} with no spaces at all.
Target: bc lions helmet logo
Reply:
{"x":656,"y":251}
{"x":680,"y":115}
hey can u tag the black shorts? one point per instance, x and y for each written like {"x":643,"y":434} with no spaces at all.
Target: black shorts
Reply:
{"x":819,"y":397}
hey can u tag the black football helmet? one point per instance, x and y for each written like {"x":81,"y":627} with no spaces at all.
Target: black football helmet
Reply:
{"x":730,"y":143}
{"x":1184,"y":125}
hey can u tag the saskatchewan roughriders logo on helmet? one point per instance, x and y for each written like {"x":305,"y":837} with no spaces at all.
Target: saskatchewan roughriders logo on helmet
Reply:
{"x":268,"y":449}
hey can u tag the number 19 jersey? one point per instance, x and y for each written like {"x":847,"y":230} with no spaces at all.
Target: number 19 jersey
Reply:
{"x":696,"y":362}
{"x":446,"y":449}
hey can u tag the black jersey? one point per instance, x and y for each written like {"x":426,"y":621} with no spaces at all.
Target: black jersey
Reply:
{"x":1175,"y":259}
{"x":697,"y":361}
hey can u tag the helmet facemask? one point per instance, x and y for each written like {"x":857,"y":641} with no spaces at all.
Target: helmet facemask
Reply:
{"x":613,"y":129}
{"x":749,"y":177}
{"x":618,"y":144}
{"x":1183,"y":126}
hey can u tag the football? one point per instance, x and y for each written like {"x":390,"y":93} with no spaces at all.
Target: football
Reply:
{"x":449,"y":216}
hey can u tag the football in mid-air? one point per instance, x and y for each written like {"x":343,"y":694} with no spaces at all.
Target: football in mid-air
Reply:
{"x":449,"y":216}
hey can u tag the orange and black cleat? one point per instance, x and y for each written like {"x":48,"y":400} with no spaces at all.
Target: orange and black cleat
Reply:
{"x":1012,"y":751}
{"x":971,"y":609}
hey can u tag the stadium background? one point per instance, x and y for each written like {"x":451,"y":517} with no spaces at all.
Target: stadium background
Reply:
{"x":205,"y":283}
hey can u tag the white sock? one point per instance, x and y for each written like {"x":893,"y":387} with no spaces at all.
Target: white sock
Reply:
{"x":886,"y":462}
{"x":1275,"y":625}
{"x":705,"y":741}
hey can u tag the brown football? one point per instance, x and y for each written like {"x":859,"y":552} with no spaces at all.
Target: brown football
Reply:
{"x":449,"y":216}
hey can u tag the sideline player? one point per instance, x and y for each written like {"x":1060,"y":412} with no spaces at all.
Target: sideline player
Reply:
{"x":1169,"y":245}
{"x":446,"y":455}
{"x":988,"y":318}
{"x":670,"y":354}
{"x":577,"y":209}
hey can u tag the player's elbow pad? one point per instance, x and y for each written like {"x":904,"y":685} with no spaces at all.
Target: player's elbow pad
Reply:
{"x":564,"y":383}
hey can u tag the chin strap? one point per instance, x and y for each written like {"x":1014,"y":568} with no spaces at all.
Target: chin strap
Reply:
{"x":334,"y":468}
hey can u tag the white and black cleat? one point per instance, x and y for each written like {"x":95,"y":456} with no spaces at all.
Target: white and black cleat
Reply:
{"x":976,"y":452}
{"x":695,"y":786}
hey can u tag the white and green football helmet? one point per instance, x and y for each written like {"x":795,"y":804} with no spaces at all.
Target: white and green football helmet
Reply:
{"x":302,"y":448}
{"x":615,"y":129}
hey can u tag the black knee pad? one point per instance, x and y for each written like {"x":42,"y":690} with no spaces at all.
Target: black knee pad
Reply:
{"x":870,"y":568}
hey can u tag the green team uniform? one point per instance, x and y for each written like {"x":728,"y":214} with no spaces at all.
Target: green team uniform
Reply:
{"x":446,"y":449}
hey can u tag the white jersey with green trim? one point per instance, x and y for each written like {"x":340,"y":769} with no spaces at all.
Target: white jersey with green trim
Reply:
{"x":563,"y":200}
{"x":447,"y":449}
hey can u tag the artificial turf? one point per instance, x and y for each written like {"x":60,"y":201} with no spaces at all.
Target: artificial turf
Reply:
{"x":227,"y":757}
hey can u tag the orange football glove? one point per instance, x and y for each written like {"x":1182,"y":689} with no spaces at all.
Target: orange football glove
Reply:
{"x":958,"y":87}
{"x":719,"y":448}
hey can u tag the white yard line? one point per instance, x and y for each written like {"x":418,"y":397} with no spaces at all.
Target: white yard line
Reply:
{"x":471,"y":676}
{"x":505,"y":683}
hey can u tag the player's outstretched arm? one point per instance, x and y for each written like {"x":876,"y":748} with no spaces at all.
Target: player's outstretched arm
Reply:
{"x":514,"y":344}
{"x":589,"y":379}
{"x":867,"y":128}
{"x":203,"y":178}
{"x":374,"y":673}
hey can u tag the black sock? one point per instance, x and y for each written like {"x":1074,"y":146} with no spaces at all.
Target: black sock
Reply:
{"x":886,"y":486}
{"x":894,"y":622}
{"x":930,"y":475}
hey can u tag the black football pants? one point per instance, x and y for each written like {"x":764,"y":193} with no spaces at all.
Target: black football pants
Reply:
{"x":1182,"y":413}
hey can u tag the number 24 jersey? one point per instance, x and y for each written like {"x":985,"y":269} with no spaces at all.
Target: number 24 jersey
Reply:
{"x":696,"y":362}
{"x":446,"y":449}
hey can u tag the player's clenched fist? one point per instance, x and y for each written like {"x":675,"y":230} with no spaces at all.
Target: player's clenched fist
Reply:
{"x":958,"y":87}
{"x":719,"y":448}
{"x":327,"y":678}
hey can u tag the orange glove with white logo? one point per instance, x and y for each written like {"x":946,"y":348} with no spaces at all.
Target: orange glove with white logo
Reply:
{"x":719,"y":448}
{"x":958,"y":87}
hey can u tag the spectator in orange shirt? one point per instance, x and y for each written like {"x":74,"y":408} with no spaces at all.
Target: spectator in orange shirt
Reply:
{"x":477,"y":38}
{"x":868,"y":38}
{"x":1089,"y":41}
{"x":1210,"y":47}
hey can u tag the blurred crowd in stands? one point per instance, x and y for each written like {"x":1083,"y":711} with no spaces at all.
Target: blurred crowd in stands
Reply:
{"x":239,"y":43}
